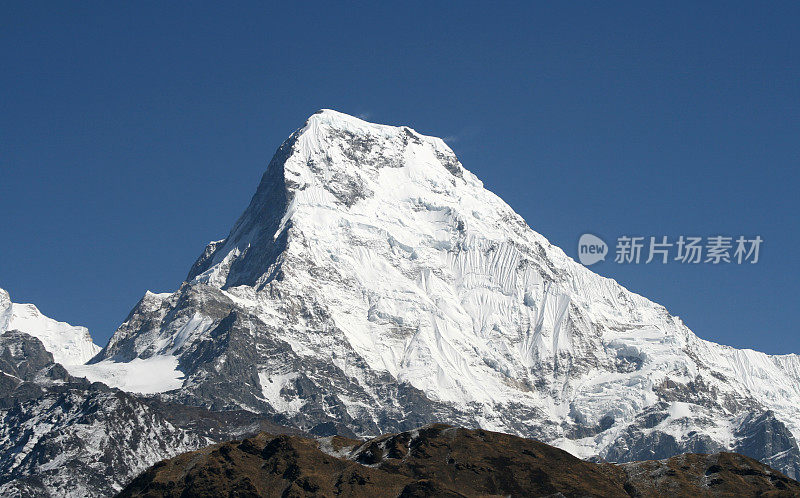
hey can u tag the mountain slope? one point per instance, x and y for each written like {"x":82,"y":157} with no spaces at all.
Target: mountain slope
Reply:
{"x":438,"y":460}
{"x":62,"y":436}
{"x":69,"y":345}
{"x":374,"y":285}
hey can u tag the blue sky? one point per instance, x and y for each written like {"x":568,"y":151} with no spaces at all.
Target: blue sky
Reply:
{"x":133,"y":133}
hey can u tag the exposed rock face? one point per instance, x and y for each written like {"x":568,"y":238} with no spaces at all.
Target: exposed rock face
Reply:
{"x":768,"y":440}
{"x":438,"y":460}
{"x":374,"y":285}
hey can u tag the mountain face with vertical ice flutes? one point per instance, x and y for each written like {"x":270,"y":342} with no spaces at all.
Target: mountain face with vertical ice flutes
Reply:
{"x":374,"y":285}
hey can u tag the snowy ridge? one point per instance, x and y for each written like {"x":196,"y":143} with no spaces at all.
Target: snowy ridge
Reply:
{"x":370,"y":254}
{"x":69,"y":345}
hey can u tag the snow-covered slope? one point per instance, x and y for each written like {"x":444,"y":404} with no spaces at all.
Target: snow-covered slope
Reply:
{"x":373,"y":284}
{"x":69,"y":345}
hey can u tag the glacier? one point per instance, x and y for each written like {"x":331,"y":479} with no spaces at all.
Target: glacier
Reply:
{"x":373,"y":284}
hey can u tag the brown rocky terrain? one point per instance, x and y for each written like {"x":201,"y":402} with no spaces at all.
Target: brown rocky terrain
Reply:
{"x":439,"y":460}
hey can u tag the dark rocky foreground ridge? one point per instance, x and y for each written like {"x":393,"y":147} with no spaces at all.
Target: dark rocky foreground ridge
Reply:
{"x":439,"y":460}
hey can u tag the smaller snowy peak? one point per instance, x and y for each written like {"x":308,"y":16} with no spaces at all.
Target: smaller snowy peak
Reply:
{"x":68,"y":344}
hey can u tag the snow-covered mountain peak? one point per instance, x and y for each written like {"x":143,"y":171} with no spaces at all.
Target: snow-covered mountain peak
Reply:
{"x":323,"y":121}
{"x":338,"y":163}
{"x":68,"y":344}
{"x":342,"y":121}
{"x":373,"y":281}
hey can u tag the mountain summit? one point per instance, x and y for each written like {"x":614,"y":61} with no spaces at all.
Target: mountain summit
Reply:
{"x":373,"y":285}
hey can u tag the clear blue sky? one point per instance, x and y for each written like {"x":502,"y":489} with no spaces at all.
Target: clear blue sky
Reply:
{"x":132,"y":133}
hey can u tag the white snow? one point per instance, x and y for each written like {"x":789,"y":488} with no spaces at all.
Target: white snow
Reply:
{"x":156,"y":374}
{"x":271,"y":387}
